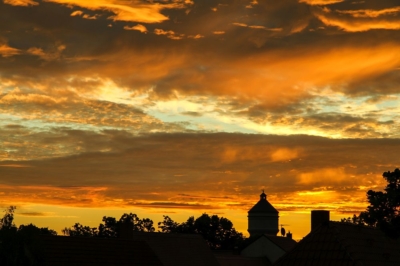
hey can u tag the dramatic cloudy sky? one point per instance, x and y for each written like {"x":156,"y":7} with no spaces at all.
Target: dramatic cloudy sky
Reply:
{"x":182,"y":107}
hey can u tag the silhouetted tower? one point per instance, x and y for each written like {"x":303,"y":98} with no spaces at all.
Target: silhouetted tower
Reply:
{"x":263,"y":218}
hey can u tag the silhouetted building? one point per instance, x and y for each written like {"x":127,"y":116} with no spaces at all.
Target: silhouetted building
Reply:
{"x":179,"y":249}
{"x":263,"y":218}
{"x":339,"y":243}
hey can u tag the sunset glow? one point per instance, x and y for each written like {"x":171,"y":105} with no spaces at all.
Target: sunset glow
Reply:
{"x":184,"y":107}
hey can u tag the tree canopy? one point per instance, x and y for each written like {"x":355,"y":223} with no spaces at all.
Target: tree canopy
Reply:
{"x":15,"y":241}
{"x":384,"y":207}
{"x":7,"y":222}
{"x":110,"y":226}
{"x":217,"y":231}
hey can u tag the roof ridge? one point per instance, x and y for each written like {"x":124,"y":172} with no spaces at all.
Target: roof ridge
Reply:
{"x":263,"y":205}
{"x":279,"y":242}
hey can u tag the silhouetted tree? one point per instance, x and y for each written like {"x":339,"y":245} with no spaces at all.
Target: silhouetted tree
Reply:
{"x":217,"y":231}
{"x":141,"y":225}
{"x":20,"y":246}
{"x":384,"y":206}
{"x":7,"y":222}
{"x":353,"y":220}
{"x":80,"y":230}
{"x":33,"y":229}
{"x":9,"y":251}
{"x":168,"y":225}
{"x":110,"y":226}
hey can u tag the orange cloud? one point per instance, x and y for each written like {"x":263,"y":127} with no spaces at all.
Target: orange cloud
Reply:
{"x":76,"y":13}
{"x":138,"y":27}
{"x":265,"y":153}
{"x":7,"y":51}
{"x":284,"y":154}
{"x":360,"y":20}
{"x":67,"y":196}
{"x":369,"y":13}
{"x":53,"y":55}
{"x":136,"y":11}
{"x":320,"y":2}
{"x":21,"y":2}
{"x":14,"y":165}
{"x":169,"y":33}
{"x":324,"y":176}
{"x":355,"y":26}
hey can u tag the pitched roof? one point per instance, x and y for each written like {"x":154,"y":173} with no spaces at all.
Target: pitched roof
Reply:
{"x":337,"y":243}
{"x":284,"y":243}
{"x":88,"y":251}
{"x":179,"y":249}
{"x":263,"y":206}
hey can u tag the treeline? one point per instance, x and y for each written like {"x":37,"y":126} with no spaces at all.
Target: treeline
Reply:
{"x":218,"y":232}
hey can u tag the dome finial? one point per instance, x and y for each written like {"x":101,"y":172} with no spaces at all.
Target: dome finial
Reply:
{"x":263,"y":196}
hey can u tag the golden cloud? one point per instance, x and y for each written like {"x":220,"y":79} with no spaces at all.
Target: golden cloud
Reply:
{"x":21,"y":2}
{"x":138,"y":27}
{"x":324,"y":176}
{"x":7,"y":51}
{"x":320,"y":2}
{"x":169,"y":33}
{"x":136,"y":11}
{"x":370,"y":13}
{"x":284,"y":154}
{"x":360,"y":20}
{"x":76,"y":13}
{"x":67,"y":196}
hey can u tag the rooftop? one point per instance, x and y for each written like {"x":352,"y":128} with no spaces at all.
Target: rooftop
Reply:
{"x":263,"y":206}
{"x":178,"y":249}
{"x":337,"y":243}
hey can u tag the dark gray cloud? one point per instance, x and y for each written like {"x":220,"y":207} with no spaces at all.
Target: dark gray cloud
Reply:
{"x":34,"y":214}
{"x":169,"y":164}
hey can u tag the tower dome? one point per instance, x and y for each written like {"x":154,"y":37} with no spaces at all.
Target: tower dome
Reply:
{"x":263,"y":218}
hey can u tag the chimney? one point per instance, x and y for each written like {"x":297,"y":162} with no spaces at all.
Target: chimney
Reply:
{"x":289,"y":235}
{"x":125,"y":230}
{"x":319,"y":217}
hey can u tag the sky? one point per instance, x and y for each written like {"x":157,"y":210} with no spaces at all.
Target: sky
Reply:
{"x":184,"y":107}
